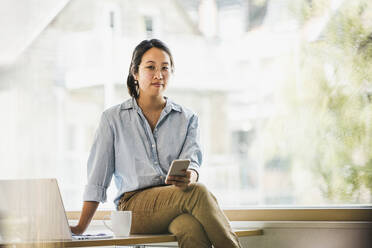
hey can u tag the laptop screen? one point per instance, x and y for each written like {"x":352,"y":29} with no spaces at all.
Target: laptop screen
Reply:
{"x":32,"y":210}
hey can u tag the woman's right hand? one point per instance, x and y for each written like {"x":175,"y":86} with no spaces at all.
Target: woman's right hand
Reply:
{"x":89,"y":208}
{"x":76,"y":230}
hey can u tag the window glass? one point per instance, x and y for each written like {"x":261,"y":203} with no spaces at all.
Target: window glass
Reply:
{"x":283,"y":90}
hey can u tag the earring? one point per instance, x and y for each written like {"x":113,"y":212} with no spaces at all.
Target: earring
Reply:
{"x":137,"y":86}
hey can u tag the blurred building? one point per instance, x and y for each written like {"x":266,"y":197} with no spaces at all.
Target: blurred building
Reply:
{"x":74,"y":65}
{"x":72,"y":62}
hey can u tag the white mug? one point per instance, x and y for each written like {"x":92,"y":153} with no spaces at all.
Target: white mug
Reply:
{"x":120,"y":222}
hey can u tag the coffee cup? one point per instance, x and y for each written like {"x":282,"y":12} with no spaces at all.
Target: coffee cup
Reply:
{"x":120,"y":222}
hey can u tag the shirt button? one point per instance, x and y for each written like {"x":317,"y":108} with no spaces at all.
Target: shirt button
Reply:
{"x":153,"y":145}
{"x":156,"y":162}
{"x":156,"y":130}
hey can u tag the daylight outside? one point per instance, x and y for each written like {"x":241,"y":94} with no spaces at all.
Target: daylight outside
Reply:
{"x":282,"y":88}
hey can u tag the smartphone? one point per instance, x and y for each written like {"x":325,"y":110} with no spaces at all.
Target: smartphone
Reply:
{"x":177,"y":167}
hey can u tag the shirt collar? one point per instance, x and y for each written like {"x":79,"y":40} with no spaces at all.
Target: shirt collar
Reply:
{"x":128,"y":104}
{"x":170,"y":105}
{"x":132,"y":104}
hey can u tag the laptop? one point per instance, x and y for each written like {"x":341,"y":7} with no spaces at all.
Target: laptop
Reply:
{"x":32,"y":210}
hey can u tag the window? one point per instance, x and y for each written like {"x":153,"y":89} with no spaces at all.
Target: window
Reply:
{"x":149,"y":26}
{"x":283,"y":93}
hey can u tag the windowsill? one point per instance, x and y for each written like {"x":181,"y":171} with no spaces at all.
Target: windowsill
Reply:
{"x":333,"y":213}
{"x":345,"y":206}
{"x":301,"y":214}
{"x":302,"y":224}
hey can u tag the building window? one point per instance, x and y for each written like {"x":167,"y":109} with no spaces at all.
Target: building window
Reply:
{"x":149,"y":26}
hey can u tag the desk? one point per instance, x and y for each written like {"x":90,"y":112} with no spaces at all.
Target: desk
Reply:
{"x":131,"y":240}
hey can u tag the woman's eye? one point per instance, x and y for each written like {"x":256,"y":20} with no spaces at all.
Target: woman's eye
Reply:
{"x":165,"y":68}
{"x":151,"y":67}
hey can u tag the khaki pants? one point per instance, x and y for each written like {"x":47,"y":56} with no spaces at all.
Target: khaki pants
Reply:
{"x":192,"y":215}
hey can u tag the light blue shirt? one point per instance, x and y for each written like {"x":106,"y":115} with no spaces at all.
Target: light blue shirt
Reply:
{"x":125,"y":146}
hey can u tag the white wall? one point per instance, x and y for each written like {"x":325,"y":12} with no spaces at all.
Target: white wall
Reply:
{"x":309,"y":235}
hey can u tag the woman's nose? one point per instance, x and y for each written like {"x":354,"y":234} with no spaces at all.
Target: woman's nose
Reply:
{"x":158,"y":74}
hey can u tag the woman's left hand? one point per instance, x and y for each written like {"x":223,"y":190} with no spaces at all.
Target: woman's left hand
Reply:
{"x":184,"y":181}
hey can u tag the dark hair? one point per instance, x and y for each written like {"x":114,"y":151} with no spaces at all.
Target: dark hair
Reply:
{"x":138,"y":53}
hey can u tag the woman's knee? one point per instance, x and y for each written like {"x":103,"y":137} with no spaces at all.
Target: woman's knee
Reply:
{"x":199,"y":187}
{"x":201,"y":190}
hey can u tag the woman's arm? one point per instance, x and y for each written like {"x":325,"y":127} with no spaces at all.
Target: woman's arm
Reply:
{"x":191,"y":150}
{"x":100,"y":167}
{"x":89,"y":208}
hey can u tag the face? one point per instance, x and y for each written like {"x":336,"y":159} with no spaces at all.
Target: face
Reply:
{"x":153,"y":72}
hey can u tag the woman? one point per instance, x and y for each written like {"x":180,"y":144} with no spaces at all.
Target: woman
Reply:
{"x":136,"y":142}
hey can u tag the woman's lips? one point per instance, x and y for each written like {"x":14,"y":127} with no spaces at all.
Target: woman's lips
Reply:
{"x":157,"y":84}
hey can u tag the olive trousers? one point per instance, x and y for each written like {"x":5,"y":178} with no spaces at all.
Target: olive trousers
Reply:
{"x":192,"y":215}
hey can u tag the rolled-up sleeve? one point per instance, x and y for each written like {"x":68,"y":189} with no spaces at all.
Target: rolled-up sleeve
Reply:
{"x":191,"y":148}
{"x":101,"y":163}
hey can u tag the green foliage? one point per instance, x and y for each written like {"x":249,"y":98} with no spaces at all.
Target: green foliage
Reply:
{"x":304,"y":10}
{"x":328,"y":122}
